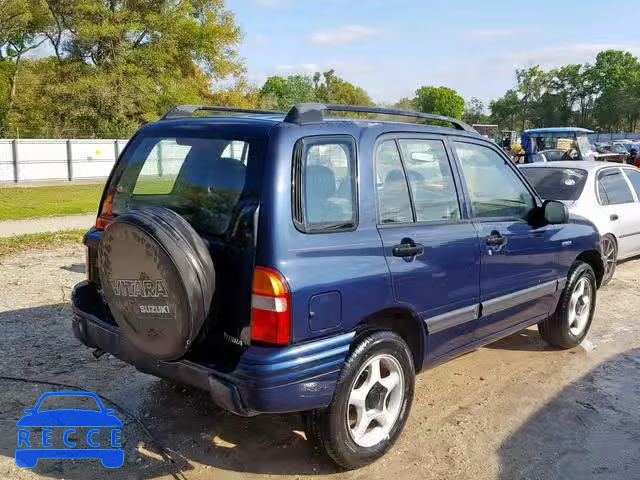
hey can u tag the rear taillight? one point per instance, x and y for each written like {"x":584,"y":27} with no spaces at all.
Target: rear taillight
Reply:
{"x":270,"y":308}
{"x":106,"y":214}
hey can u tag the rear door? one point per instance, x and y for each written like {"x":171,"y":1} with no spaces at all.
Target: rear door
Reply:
{"x":633,"y":175}
{"x":618,"y":200}
{"x":431,"y":250}
{"x":212,"y":178}
{"x":519,"y":263}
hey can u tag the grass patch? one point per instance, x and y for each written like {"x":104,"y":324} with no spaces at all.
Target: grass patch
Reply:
{"x":20,"y":243}
{"x":32,"y":202}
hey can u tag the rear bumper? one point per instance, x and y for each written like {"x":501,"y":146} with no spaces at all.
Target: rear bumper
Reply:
{"x":265,"y":380}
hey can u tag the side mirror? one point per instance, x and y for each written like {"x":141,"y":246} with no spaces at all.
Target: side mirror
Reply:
{"x":555,"y":212}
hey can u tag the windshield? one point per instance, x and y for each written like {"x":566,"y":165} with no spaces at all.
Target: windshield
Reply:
{"x":557,"y":183}
{"x":556,"y":148}
{"x":202,"y":179}
{"x":69,"y":402}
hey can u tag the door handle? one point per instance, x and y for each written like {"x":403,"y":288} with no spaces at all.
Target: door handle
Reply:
{"x":408,"y":250}
{"x":614,"y":218}
{"x":496,"y":240}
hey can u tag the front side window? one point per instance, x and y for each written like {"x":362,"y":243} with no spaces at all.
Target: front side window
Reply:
{"x":324,"y":190}
{"x":613,"y":188}
{"x":431,"y":179}
{"x":495,"y":190}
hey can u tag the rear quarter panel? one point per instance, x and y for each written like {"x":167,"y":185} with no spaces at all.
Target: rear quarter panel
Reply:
{"x":351,"y":264}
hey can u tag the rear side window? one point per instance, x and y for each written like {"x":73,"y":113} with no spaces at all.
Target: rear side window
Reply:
{"x":434,"y":193}
{"x":613,"y":188}
{"x":324,"y":194}
{"x":634,"y":178}
{"x":202,"y":179}
{"x":394,"y":203}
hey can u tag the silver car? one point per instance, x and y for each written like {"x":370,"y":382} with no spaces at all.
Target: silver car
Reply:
{"x":608,"y":194}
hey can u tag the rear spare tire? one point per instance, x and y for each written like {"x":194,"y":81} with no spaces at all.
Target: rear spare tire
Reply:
{"x":158,"y":279}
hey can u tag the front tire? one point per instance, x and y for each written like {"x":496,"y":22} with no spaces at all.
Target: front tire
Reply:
{"x":371,"y":403}
{"x":570,"y":323}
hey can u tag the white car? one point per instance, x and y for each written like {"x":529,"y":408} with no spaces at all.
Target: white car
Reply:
{"x":607,"y":194}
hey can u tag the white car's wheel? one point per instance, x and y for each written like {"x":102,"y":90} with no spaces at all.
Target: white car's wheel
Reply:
{"x":609,"y":257}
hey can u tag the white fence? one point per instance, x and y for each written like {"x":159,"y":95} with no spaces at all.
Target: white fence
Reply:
{"x":51,"y":160}
{"x":74,"y":159}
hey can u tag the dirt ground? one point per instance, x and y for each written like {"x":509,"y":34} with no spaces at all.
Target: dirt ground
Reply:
{"x":516,"y":409}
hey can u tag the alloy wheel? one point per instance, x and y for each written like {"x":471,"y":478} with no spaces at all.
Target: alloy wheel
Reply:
{"x":580,"y":306}
{"x":375,"y":400}
{"x":609,"y":254}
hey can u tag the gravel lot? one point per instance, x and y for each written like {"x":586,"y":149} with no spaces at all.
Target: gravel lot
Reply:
{"x":515,"y":409}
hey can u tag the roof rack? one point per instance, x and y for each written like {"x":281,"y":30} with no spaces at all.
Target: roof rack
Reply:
{"x":187,"y":111}
{"x":309,"y":113}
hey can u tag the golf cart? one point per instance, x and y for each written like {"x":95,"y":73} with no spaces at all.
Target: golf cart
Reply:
{"x":556,"y":144}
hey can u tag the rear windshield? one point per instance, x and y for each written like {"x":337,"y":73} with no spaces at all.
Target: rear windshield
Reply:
{"x":557,"y":183}
{"x":202,"y":179}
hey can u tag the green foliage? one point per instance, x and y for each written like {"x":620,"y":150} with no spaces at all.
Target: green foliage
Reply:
{"x":39,"y":241}
{"x":505,"y":111}
{"x":474,"y":112}
{"x":440,"y":101}
{"x":116,"y":64}
{"x":617,"y":76}
{"x":119,"y":64}
{"x":20,"y":23}
{"x":336,"y":90}
{"x":605,"y":96}
{"x":280,"y":93}
{"x":31,"y":202}
{"x":406,"y":104}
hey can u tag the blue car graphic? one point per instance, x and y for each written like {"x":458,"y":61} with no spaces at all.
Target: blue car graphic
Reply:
{"x":69,"y":419}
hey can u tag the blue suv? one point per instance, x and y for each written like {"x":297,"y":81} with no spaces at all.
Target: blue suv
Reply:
{"x":308,"y":263}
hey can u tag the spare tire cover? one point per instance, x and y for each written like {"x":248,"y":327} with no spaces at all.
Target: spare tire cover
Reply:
{"x":158,"y":280}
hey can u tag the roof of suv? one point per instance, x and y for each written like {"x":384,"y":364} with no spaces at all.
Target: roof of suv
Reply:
{"x":307,"y":115}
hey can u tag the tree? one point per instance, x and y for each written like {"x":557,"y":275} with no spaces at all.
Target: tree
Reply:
{"x":280,"y":93}
{"x":532,"y":85}
{"x":574,"y":86}
{"x":440,"y":100}
{"x":405,"y":104}
{"x":20,"y":23}
{"x":474,"y":112}
{"x":336,"y":90}
{"x":615,"y":76}
{"x":118,"y":64}
{"x":506,"y":111}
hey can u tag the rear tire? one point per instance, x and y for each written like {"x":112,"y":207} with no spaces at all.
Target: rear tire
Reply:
{"x":609,"y":247}
{"x":371,"y":402}
{"x":570,"y":323}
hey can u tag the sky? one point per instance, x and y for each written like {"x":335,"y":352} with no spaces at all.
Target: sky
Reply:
{"x":392,"y":47}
